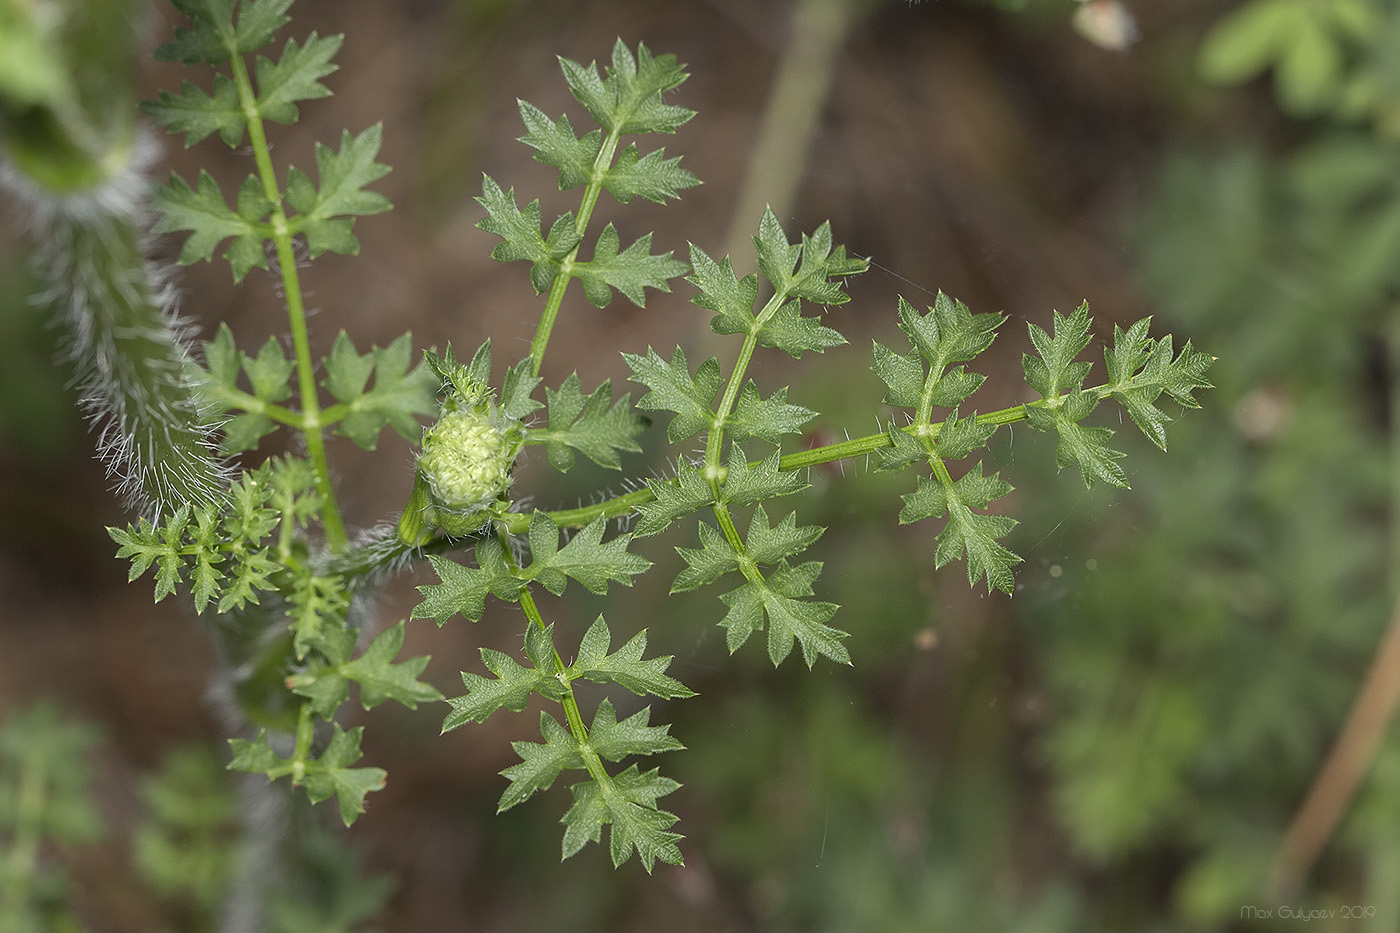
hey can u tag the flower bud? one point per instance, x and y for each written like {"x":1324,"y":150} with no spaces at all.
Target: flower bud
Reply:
{"x":464,"y":466}
{"x":466,"y":460}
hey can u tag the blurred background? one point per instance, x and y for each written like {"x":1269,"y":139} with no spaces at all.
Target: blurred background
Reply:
{"x":1121,"y":745}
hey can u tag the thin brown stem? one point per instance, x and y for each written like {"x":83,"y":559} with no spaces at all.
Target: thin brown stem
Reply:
{"x":1346,"y":764}
{"x":1336,"y":784}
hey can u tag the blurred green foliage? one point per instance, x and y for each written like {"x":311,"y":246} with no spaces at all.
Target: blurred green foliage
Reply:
{"x":46,"y":808}
{"x":185,"y":849}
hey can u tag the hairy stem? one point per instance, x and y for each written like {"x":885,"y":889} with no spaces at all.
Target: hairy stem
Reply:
{"x":131,"y":361}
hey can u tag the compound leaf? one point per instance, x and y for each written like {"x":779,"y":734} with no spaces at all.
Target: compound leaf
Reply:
{"x":625,"y":666}
{"x":197,"y":114}
{"x":556,"y":145}
{"x":711,"y":560}
{"x":295,"y":76}
{"x":214,"y":35}
{"x":789,"y":616}
{"x":903,"y":375}
{"x":1140,"y":369}
{"x":966,"y":533}
{"x":653,"y":176}
{"x":723,"y":292}
{"x":674,"y":389}
{"x":347,"y":372}
{"x":767,"y":419}
{"x":316,"y":608}
{"x":203,"y":211}
{"x":146,"y":544}
{"x":325,"y":213}
{"x":615,"y":740}
{"x":268,"y":374}
{"x":958,"y":437}
{"x":592,"y":424}
{"x":764,"y":545}
{"x":540,"y":762}
{"x":767,"y":545}
{"x":675,"y":499}
{"x":745,"y":485}
{"x":323,"y":681}
{"x":628,"y":804}
{"x":463,"y":589}
{"x":585,"y":557}
{"x":1087,"y":446}
{"x":517,"y":388}
{"x":794,"y":333}
{"x":255,"y":756}
{"x":949,"y":332}
{"x":1055,"y":369}
{"x":520,"y":232}
{"x":904,"y":449}
{"x":381,"y":679}
{"x":629,"y":272}
{"x":332,"y":774}
{"x":628,"y":99}
{"x":510,"y":689}
{"x":399,"y":395}
{"x":811,"y":280}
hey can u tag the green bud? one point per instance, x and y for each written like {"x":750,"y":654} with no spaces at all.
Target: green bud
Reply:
{"x":464,"y":468}
{"x":465,"y":459}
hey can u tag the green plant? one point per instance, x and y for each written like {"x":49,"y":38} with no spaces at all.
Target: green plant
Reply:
{"x":45,"y":803}
{"x":184,"y":849}
{"x":266,"y":547}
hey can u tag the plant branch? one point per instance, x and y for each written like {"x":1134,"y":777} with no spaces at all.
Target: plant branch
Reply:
{"x":311,"y":426}
{"x":555,"y":301}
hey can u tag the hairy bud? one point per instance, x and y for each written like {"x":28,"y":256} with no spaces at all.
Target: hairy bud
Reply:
{"x":464,"y":464}
{"x":466,"y":460}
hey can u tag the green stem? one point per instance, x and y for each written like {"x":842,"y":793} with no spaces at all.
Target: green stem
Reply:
{"x":714,"y":442}
{"x":572,"y":714}
{"x":552,"y":304}
{"x":924,"y":415}
{"x":311,"y":424}
{"x":798,"y":460}
{"x":306,"y":732}
{"x":726,"y":525}
{"x":571,"y":710}
{"x":517,"y":523}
